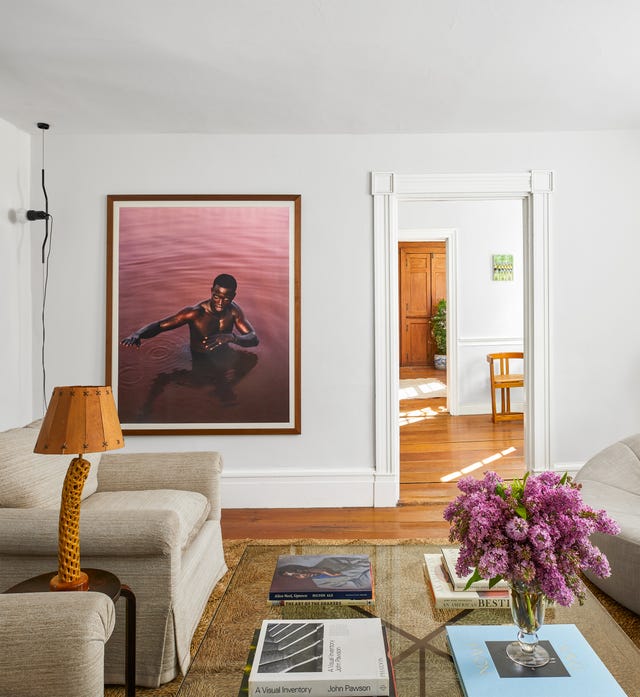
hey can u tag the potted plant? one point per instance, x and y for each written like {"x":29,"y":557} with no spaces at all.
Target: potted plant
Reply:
{"x":439,"y":332}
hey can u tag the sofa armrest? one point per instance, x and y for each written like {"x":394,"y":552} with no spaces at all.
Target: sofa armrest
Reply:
{"x":187,"y":471}
{"x":34,"y":532}
{"x":53,"y":643}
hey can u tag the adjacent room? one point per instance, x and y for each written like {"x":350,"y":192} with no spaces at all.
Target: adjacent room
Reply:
{"x":319,"y":285}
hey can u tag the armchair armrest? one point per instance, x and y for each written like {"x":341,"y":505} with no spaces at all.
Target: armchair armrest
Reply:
{"x":53,"y":643}
{"x":186,"y":471}
{"x":34,"y":532}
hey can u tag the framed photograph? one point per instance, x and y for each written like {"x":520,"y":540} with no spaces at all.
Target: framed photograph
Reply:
{"x":203,"y":313}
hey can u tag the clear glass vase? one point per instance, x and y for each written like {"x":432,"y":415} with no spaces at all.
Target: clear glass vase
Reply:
{"x":527,"y":609}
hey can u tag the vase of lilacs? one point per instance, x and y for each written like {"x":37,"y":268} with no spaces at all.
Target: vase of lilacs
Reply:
{"x":534,"y":533}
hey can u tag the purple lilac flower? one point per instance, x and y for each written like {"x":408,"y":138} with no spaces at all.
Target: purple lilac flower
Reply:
{"x":517,"y":529}
{"x":540,"y":536}
{"x":535,"y":531}
{"x":494,"y":562}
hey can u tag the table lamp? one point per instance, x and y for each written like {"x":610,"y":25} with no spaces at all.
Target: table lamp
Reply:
{"x":78,"y":420}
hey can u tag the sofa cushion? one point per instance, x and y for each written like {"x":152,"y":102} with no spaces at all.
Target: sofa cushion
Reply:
{"x":28,"y":479}
{"x":192,"y":508}
{"x":617,"y":465}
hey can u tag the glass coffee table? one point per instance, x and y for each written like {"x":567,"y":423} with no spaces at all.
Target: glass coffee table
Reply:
{"x":416,"y":630}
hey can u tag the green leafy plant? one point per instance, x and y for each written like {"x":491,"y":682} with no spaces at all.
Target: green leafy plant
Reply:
{"x":439,"y":327}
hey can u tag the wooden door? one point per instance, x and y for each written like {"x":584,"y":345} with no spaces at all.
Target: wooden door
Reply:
{"x":423,"y":282}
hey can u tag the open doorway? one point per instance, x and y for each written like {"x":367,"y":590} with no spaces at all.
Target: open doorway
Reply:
{"x":445,"y":425}
{"x":389,"y":190}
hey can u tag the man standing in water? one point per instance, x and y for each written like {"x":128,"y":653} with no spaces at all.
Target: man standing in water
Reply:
{"x":213,"y":323}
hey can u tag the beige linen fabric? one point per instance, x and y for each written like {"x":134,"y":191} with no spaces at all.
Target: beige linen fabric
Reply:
{"x":190,"y":507}
{"x":29,"y":479}
{"x":53,"y":643}
{"x":611,"y":480}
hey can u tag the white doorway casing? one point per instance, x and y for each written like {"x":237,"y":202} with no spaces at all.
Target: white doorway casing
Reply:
{"x":388,"y":189}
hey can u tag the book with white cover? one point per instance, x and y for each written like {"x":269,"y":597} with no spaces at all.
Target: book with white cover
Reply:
{"x":444,"y":596}
{"x":450,"y":556}
{"x":318,"y":658}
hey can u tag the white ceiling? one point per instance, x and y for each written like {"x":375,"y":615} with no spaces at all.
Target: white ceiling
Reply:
{"x":320,"y":66}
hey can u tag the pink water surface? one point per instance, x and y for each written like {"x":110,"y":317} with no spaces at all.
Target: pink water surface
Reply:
{"x":168,"y":258}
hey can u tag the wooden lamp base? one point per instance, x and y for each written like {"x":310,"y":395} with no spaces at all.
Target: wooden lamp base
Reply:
{"x":79,"y":584}
{"x":70,"y":577}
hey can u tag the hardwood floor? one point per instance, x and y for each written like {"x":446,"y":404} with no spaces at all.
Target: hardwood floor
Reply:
{"x":433,"y":445}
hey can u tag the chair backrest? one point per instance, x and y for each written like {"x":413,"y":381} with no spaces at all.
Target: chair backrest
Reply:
{"x":502,"y":360}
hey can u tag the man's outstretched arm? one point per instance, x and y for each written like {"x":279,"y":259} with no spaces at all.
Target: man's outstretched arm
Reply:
{"x":154,"y":328}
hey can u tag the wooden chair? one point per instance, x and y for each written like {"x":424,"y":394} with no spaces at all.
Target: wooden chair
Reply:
{"x":504,"y":380}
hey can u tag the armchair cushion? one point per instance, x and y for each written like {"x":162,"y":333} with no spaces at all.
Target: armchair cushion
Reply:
{"x":190,"y":507}
{"x":53,"y":643}
{"x":186,"y":471}
{"x":28,"y":479}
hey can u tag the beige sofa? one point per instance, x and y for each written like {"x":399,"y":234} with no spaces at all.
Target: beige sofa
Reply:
{"x":53,"y":644}
{"x":152,"y":519}
{"x":611,"y":480}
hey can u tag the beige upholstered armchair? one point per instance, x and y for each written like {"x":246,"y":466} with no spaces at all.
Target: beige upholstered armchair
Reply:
{"x":152,"y":519}
{"x":53,"y":644}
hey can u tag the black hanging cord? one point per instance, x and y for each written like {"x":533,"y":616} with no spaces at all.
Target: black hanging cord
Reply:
{"x":46,"y":220}
{"x":45,"y":283}
{"x":40,"y":215}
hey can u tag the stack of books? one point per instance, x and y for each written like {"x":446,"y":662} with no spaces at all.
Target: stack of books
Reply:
{"x":318,"y":658}
{"x":344,"y":579}
{"x":448,"y":589}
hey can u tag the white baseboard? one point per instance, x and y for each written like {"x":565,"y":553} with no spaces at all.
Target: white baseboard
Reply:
{"x":277,"y":489}
{"x":571,"y":468}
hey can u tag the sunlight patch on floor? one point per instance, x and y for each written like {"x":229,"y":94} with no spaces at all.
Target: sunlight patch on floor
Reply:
{"x":415,"y":415}
{"x":477,"y":465}
{"x":422,"y":389}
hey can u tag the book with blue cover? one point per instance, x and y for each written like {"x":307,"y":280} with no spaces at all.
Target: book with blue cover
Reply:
{"x":485,"y":670}
{"x":322,"y":577}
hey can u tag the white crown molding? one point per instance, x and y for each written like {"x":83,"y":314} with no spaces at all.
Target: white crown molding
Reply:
{"x":459,"y":185}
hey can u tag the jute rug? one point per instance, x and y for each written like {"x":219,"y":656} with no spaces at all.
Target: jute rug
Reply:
{"x":422,"y":388}
{"x":628,"y":621}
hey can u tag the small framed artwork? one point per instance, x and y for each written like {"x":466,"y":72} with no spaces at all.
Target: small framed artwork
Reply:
{"x":502,"y":267}
{"x":203,"y":313}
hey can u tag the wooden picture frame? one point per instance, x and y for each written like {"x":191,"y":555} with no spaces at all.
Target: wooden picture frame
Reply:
{"x":183,"y":357}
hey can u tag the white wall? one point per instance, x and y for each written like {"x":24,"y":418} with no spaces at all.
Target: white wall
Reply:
{"x":15,"y":279}
{"x":594,"y":282}
{"x":490,"y":313}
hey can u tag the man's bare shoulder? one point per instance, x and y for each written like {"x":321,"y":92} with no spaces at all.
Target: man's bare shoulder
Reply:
{"x":193,"y":311}
{"x":235,"y":310}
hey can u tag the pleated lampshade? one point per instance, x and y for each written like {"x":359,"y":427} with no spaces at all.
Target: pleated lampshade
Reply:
{"x":80,"y":420}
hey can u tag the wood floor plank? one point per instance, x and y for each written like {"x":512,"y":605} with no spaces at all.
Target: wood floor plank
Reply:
{"x":433,"y":444}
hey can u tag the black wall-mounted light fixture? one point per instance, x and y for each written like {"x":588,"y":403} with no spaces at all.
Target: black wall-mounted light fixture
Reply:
{"x":23,"y":216}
